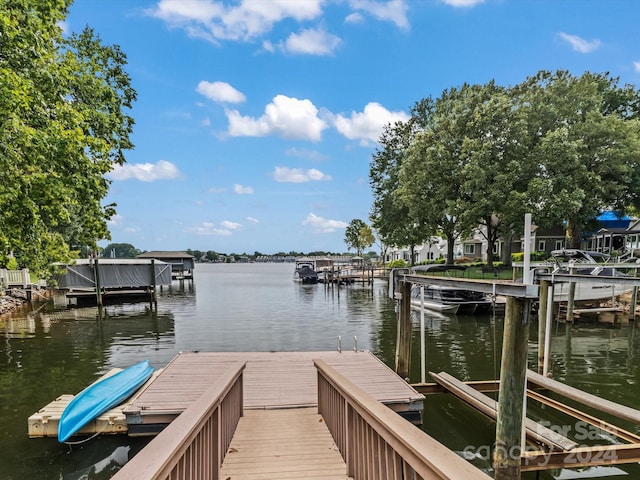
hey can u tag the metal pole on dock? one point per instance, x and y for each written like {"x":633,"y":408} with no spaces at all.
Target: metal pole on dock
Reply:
{"x":634,"y":299}
{"x":403,"y":347}
{"x":96,"y":279}
{"x":542,"y":322}
{"x":547,"y":336}
{"x":423,"y":366}
{"x":508,"y":447}
{"x":154,"y":297}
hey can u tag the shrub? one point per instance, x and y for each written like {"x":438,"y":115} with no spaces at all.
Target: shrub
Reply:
{"x":399,"y":263}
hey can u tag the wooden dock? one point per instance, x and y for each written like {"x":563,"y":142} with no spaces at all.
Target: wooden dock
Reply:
{"x":348,"y":435}
{"x":283,"y":444}
{"x":272,"y":380}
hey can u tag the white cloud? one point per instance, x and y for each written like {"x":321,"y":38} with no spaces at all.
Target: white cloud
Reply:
{"x":146,"y":172}
{"x":636,"y":66}
{"x":242,"y":190}
{"x":312,"y":42}
{"x":217,"y":190}
{"x":312,"y":155}
{"x":368,"y":125}
{"x":297,"y":175}
{"x":354,"y":18}
{"x":580,"y":44}
{"x":64,"y":26}
{"x":132,"y":230}
{"x":322,"y":225}
{"x":252,"y":220}
{"x":206,"y":122}
{"x":220,"y":92}
{"x":214,"y":21}
{"x":230,"y":225}
{"x":209,"y":228}
{"x":285,"y":116}
{"x":462,"y":3}
{"x":115,"y":220}
{"x":394,"y":11}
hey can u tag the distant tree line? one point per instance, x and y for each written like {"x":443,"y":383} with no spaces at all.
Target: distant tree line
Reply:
{"x":560,"y":147}
{"x":126,"y":250}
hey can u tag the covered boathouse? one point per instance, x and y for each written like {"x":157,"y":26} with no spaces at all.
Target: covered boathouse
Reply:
{"x":182,"y":264}
{"x":106,"y":280}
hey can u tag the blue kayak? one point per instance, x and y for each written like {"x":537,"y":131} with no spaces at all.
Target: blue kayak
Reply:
{"x":96,"y":399}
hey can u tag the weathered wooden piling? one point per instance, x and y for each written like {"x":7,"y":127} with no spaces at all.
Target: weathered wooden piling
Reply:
{"x":403,"y":345}
{"x":508,"y":447}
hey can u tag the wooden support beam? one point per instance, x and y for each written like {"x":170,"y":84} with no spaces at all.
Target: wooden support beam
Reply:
{"x":513,"y":370}
{"x":487,"y":406}
{"x":581,"y":457}
{"x":403,"y":346}
{"x":601,"y":404}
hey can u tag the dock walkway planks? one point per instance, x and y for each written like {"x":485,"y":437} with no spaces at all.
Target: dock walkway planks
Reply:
{"x":283,"y":444}
{"x":272,"y":380}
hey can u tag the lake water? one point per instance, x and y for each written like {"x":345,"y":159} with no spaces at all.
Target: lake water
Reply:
{"x":257,"y":307}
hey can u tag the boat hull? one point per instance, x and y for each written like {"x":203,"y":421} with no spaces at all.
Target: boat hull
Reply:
{"x":100,"y":397}
{"x":435,"y":306}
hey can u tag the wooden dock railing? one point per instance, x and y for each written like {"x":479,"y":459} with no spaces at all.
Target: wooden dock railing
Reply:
{"x":376,"y":443}
{"x":194,"y":444}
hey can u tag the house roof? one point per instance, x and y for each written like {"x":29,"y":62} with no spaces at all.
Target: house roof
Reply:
{"x":164,"y":254}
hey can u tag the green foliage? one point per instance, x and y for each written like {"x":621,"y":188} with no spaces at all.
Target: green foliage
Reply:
{"x":399,"y":263}
{"x":63,"y":126}
{"x":535,"y":256}
{"x":121,"y":250}
{"x":559,"y":146}
{"x":358,"y":235}
{"x":12,"y":264}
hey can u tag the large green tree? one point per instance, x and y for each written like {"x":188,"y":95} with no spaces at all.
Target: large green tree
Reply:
{"x":390,"y":214}
{"x":358,"y":235}
{"x":584,"y":140}
{"x":561,"y":147}
{"x":63,"y":126}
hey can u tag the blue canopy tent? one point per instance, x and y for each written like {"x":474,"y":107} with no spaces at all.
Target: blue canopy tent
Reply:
{"x":611,"y":219}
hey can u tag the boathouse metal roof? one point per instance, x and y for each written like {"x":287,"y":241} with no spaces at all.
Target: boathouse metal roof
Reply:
{"x":180,"y":261}
{"x":164,"y":254}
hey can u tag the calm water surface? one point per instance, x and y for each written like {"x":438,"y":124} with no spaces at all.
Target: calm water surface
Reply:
{"x":257,"y":307}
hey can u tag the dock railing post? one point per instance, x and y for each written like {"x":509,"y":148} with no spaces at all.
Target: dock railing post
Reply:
{"x":513,"y":370}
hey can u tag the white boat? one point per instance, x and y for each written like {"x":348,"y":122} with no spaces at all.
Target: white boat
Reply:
{"x":432,"y":300}
{"x":581,"y":262}
{"x":448,"y":299}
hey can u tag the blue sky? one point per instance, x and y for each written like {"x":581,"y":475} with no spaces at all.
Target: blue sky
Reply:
{"x":256,"y":120}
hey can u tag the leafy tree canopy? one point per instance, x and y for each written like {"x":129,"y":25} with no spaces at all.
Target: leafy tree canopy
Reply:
{"x":121,"y":250}
{"x":358,"y":235}
{"x":63,"y":126}
{"x":561,"y":147}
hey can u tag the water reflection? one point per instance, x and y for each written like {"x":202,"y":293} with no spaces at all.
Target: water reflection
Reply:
{"x":258,"y":307}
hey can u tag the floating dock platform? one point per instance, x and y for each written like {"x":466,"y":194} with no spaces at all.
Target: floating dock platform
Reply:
{"x":272,"y":380}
